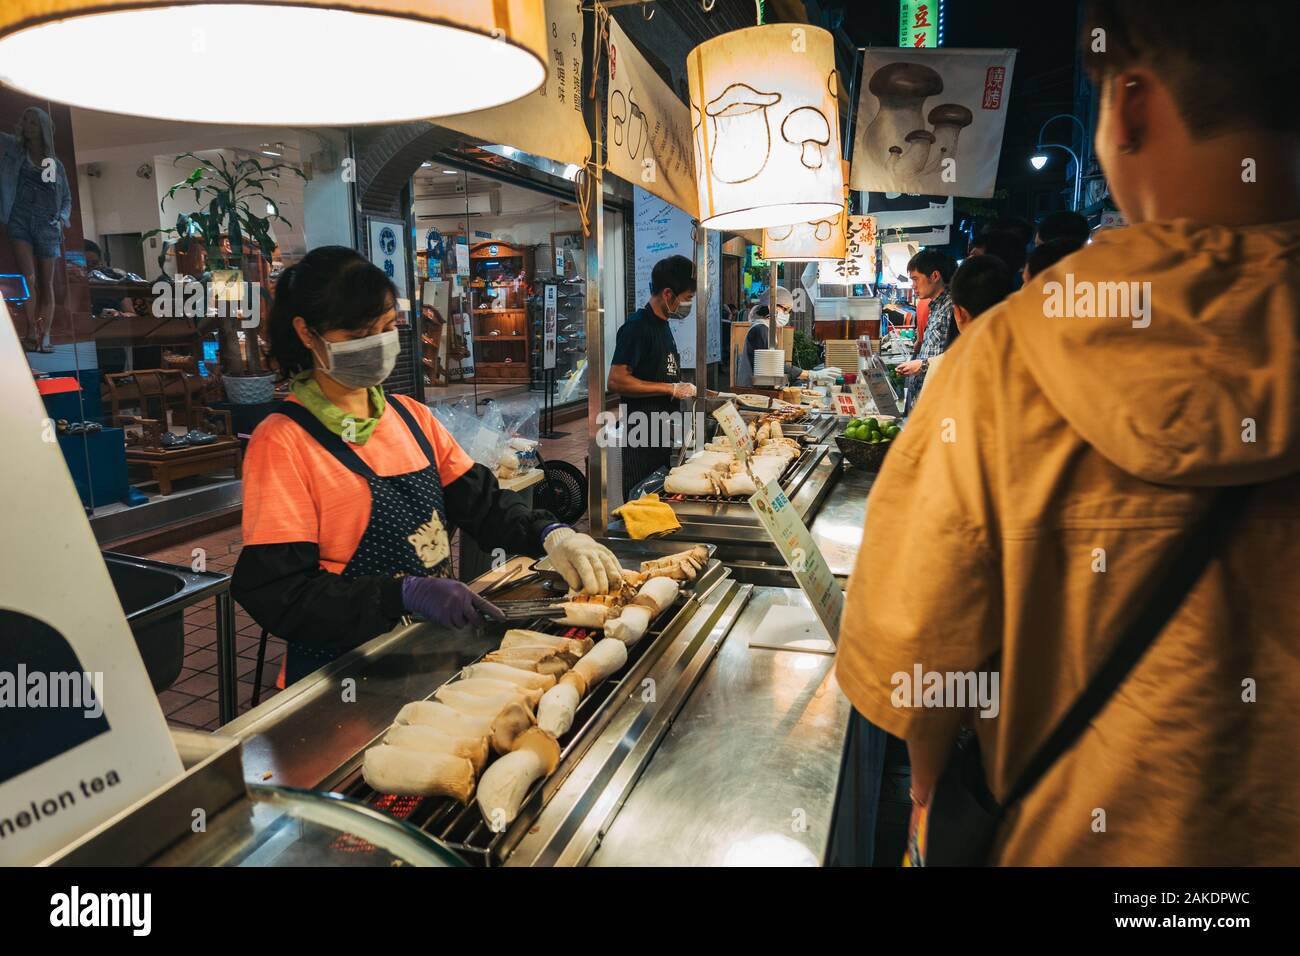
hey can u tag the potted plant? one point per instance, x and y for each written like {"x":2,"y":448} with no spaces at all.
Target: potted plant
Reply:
{"x":226,"y":234}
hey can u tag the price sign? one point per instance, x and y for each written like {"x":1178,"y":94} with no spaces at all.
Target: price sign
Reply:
{"x":733,"y":426}
{"x":801,"y":553}
{"x":882,"y":393}
{"x":863,"y":400}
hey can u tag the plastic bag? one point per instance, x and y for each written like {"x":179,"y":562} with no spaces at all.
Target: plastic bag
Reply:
{"x":483,"y":437}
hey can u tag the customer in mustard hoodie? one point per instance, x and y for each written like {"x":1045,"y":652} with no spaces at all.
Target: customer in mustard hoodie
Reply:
{"x":1063,"y":453}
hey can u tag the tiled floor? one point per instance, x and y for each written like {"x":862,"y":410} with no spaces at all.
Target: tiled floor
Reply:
{"x":192,"y":701}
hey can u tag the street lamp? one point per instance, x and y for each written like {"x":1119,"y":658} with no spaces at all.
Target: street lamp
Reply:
{"x":1039,"y":159}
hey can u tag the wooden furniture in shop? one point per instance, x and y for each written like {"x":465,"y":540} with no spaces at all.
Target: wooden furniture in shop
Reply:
{"x":500,"y":276}
{"x":167,"y":464}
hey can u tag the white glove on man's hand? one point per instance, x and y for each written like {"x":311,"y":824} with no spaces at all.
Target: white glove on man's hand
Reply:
{"x":683,"y":390}
{"x":586,"y":565}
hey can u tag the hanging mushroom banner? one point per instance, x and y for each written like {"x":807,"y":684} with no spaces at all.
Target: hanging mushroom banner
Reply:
{"x":765,"y":123}
{"x":647,"y":128}
{"x":547,"y":122}
{"x":931,"y":121}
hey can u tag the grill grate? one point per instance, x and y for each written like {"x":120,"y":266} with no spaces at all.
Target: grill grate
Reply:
{"x":783,"y":481}
{"x":462,"y":828}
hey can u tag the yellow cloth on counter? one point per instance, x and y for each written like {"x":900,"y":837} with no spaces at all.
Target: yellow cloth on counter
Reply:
{"x":648,"y":516}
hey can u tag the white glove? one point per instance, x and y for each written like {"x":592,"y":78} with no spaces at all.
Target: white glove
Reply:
{"x":683,"y":390}
{"x":585,"y":564}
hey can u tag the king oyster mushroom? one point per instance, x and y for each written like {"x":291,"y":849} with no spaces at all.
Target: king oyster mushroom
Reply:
{"x":916,"y":152}
{"x":948,"y":120}
{"x":740,"y":140}
{"x":807,"y":128}
{"x":901,"y":89}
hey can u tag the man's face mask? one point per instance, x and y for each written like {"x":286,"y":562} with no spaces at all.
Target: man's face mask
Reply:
{"x":363,"y":362}
{"x":782,"y":318}
{"x":684,"y":306}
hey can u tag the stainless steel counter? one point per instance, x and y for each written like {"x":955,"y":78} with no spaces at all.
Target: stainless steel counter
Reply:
{"x":837,"y":526}
{"x":306,"y":735}
{"x":747,"y":773}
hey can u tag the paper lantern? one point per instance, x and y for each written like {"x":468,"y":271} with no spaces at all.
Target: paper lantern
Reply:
{"x":305,"y":62}
{"x":765,"y":116}
{"x":822,"y":241}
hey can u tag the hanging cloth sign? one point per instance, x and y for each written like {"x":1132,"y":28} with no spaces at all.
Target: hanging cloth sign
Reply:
{"x":931,"y":121}
{"x":547,"y":122}
{"x":647,"y":128}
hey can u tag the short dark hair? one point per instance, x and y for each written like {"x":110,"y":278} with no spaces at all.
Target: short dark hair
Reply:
{"x":332,"y":287}
{"x":1007,"y":246}
{"x":981,"y":283}
{"x":1222,"y":78}
{"x":1063,"y":224}
{"x":932,"y":260}
{"x":1050,"y":253}
{"x":1016,"y":224}
{"x":676,"y":273}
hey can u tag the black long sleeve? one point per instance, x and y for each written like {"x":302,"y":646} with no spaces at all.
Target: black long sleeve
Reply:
{"x":285,"y":590}
{"x":493,"y":517}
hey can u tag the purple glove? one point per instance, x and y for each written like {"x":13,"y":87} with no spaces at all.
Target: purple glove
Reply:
{"x":446,"y":602}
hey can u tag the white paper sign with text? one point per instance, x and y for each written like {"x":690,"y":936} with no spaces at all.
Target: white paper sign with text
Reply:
{"x":81,"y":733}
{"x":793,"y":540}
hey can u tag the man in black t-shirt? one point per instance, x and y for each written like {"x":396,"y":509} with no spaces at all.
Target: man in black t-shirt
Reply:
{"x":646,"y":370}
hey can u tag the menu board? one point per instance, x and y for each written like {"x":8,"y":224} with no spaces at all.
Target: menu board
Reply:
{"x":662,"y":230}
{"x":734,"y":427}
{"x":804,"y":558}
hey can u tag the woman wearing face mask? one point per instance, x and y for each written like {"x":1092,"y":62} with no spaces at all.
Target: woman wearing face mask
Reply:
{"x":757,"y":338}
{"x":351,"y":494}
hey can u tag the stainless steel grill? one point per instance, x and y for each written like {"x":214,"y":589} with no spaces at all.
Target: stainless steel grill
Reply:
{"x":462,"y":828}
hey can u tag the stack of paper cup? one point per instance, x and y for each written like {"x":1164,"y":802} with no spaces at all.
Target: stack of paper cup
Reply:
{"x":770,"y":362}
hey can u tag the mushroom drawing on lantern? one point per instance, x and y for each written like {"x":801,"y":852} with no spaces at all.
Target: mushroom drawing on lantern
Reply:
{"x":765,"y":150}
{"x":807,"y":128}
{"x":740,"y":137}
{"x":821,"y":240}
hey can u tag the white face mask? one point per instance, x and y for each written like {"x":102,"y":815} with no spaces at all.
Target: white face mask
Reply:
{"x":782,"y":318}
{"x":683,"y":309}
{"x":363,"y":362}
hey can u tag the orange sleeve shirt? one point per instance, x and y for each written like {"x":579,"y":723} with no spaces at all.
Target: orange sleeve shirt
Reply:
{"x":295,"y":490}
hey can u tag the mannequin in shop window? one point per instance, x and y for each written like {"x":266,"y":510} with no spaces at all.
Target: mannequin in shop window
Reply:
{"x":35,"y":207}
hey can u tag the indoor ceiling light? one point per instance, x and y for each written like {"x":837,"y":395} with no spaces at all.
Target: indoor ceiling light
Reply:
{"x":325,"y":65}
{"x":765,"y":118}
{"x":1038,"y":161}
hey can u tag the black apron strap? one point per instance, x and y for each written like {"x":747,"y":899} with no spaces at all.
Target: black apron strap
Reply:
{"x":332,"y":443}
{"x":421,"y":438}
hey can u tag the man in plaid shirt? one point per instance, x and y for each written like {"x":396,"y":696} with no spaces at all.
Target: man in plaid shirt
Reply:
{"x":930,"y":272}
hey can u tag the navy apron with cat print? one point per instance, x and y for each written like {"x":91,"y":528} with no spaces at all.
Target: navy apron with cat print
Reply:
{"x":407,"y":529}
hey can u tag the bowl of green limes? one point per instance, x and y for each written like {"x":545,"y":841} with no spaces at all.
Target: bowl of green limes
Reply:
{"x":865,"y":441}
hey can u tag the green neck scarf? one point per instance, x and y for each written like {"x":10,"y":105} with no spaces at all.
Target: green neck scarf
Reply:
{"x":307,"y":390}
